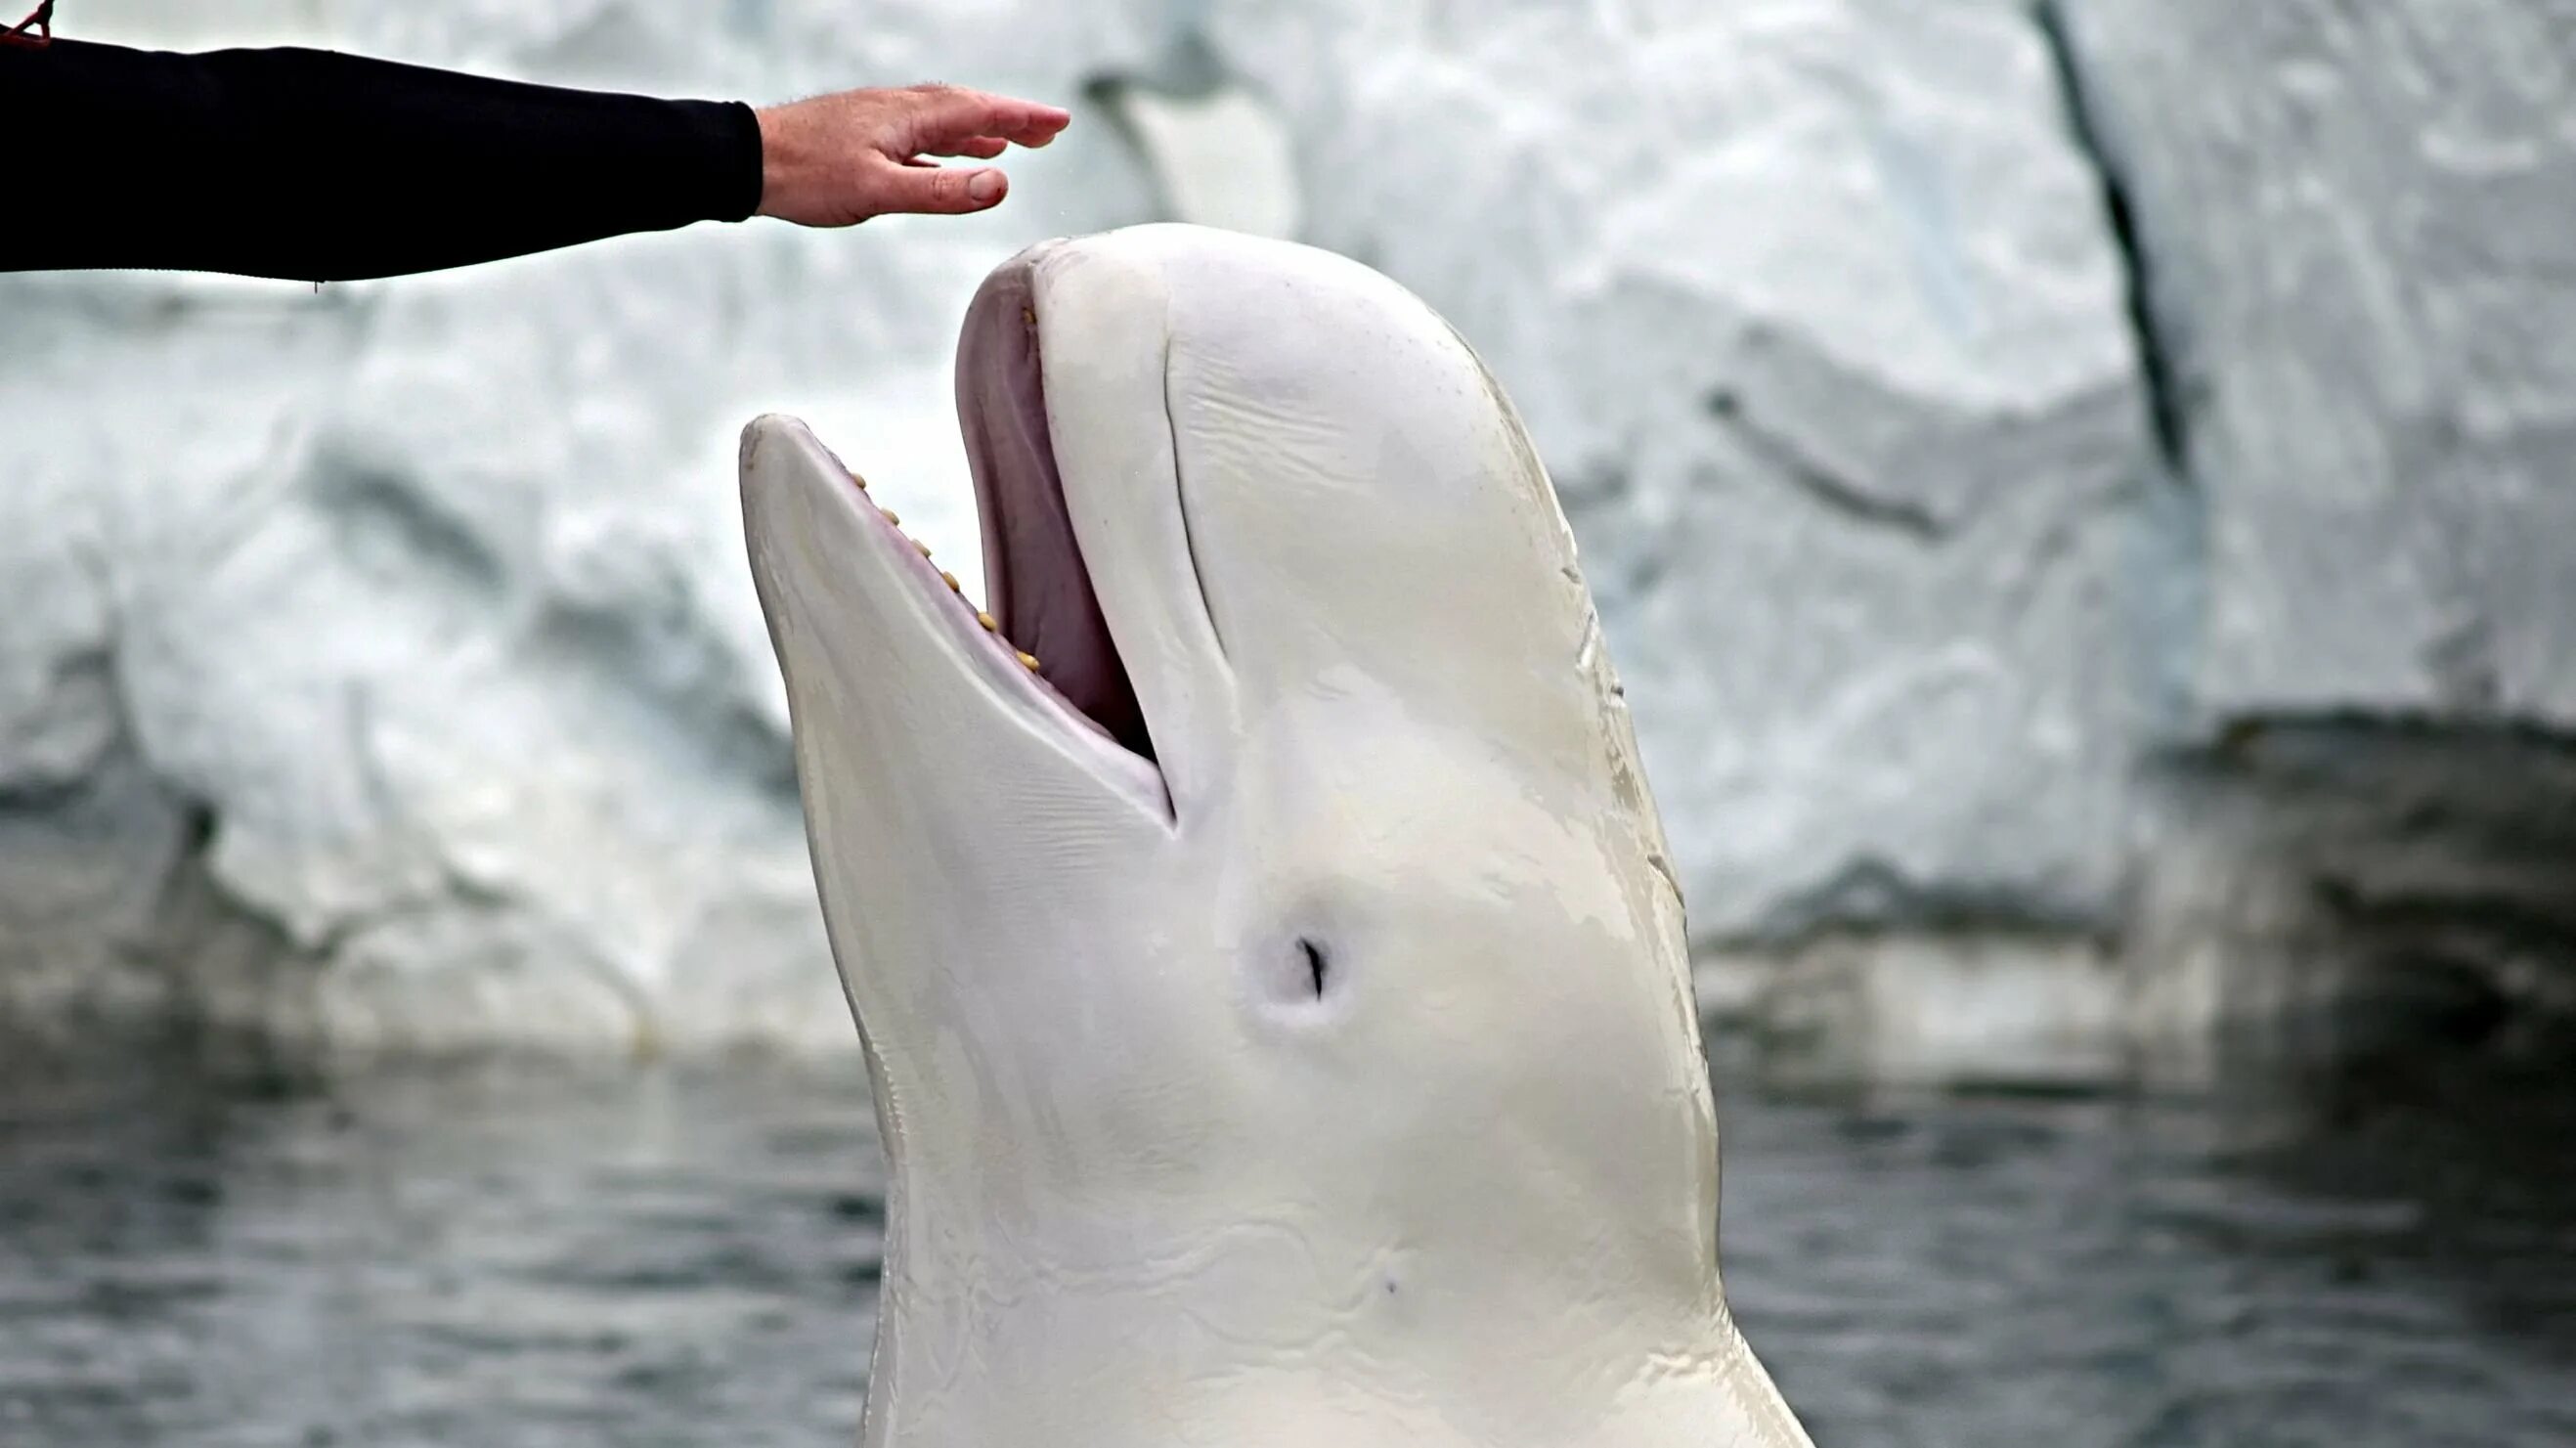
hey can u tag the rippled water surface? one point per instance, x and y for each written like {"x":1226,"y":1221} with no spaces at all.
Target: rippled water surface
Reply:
{"x":689,"y":1258}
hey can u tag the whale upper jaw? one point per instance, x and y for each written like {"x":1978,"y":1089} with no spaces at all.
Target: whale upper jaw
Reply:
{"x":934,"y":684}
{"x":1275,"y":998}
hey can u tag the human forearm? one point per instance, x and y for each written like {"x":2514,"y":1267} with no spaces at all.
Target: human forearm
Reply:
{"x":318,"y":166}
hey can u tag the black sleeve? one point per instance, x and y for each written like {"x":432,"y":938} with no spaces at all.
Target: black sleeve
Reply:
{"x":316,"y":166}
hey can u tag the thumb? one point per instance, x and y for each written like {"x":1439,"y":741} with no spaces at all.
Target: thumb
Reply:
{"x":942,"y":190}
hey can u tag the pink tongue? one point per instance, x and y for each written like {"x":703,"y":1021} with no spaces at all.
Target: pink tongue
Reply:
{"x":1034,"y":578}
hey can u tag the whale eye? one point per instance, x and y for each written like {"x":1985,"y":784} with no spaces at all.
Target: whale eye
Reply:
{"x":1315,"y":966}
{"x":1297,"y":978}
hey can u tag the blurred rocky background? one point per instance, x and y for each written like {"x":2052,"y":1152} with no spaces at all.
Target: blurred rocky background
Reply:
{"x":2083,"y":495}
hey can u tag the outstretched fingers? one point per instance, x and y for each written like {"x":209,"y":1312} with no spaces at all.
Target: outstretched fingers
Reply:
{"x":951,"y":115}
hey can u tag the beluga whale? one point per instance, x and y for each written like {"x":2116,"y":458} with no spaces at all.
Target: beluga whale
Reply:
{"x":1258,"y":927}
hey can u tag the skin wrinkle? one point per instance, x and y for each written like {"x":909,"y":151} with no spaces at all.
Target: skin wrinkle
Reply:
{"x":1181,"y":497}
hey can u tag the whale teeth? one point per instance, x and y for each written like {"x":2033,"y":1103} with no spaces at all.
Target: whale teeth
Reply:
{"x":892,"y":517}
{"x":1031,"y":660}
{"x":924,"y":547}
{"x":1028,"y":314}
{"x":951,"y":580}
{"x":987,"y":621}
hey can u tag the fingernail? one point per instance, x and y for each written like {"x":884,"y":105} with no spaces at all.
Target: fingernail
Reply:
{"x":986,"y":185}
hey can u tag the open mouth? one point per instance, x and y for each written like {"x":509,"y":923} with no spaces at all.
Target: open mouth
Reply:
{"x":1039,"y":595}
{"x":1043,"y":621}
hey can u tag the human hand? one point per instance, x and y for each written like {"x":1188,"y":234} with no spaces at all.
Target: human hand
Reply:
{"x":837,"y":160}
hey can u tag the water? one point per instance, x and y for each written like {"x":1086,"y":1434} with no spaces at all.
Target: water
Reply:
{"x":514,"y":1259}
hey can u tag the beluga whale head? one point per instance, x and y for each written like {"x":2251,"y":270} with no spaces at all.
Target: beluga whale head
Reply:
{"x":1257,"y":924}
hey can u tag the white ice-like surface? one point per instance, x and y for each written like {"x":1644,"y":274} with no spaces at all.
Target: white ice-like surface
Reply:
{"x":2361,"y":224}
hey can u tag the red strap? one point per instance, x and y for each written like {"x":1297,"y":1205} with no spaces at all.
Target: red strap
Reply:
{"x":35,"y":32}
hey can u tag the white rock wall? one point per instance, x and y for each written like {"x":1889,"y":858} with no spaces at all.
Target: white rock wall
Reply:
{"x":2355,"y":229}
{"x":2359,"y":224}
